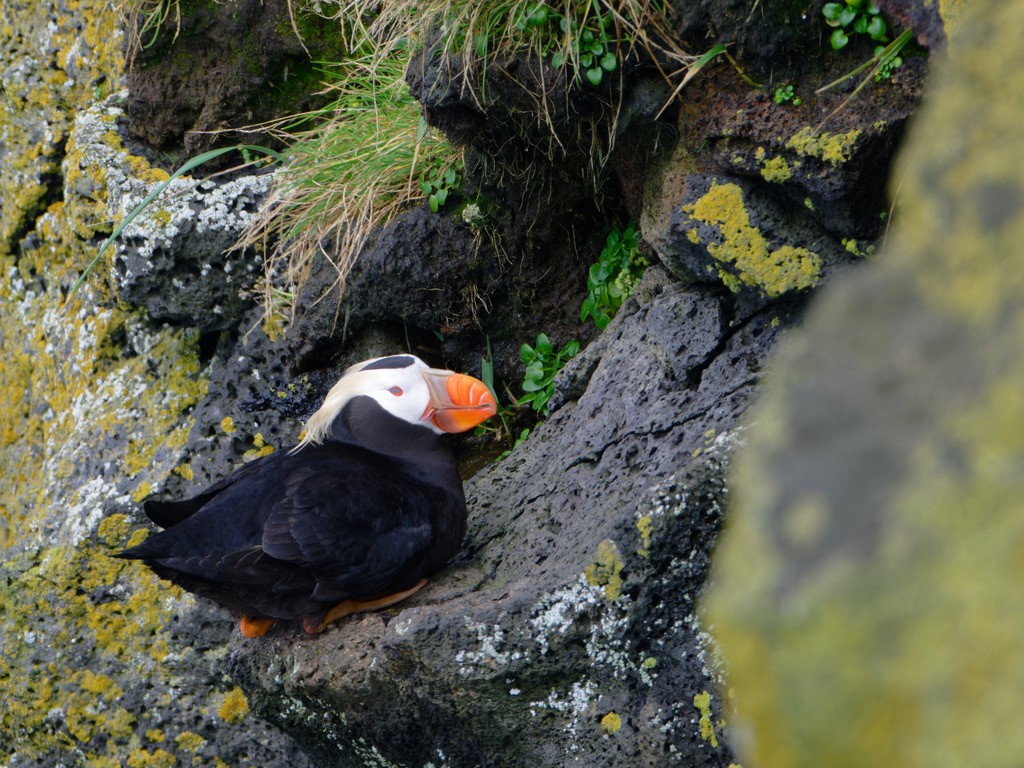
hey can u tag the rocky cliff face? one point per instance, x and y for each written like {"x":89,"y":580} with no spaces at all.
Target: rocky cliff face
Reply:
{"x":867,"y":590}
{"x":566,"y":631}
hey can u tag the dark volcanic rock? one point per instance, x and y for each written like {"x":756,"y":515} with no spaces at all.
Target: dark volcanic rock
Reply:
{"x":177,"y":258}
{"x":565,"y":633}
{"x":452,"y":290}
{"x":226,"y":65}
{"x":868,"y":584}
{"x":733,"y":231}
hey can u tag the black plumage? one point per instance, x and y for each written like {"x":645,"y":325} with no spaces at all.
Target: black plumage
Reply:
{"x":369,"y":511}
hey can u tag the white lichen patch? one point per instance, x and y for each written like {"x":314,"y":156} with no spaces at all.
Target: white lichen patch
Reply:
{"x":556,"y":613}
{"x":585,"y":604}
{"x":91,"y":502}
{"x":488,"y":656}
{"x":201,"y":218}
{"x":572,"y":705}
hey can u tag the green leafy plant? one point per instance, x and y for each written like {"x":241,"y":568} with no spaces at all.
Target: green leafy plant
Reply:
{"x":785,"y":93}
{"x":886,"y":63}
{"x":542,"y":365}
{"x":585,"y":38}
{"x":861,"y":17}
{"x":436,"y":185}
{"x":614,"y":277}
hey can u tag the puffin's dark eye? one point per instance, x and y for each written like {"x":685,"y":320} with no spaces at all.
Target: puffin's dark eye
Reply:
{"x":396,"y":391}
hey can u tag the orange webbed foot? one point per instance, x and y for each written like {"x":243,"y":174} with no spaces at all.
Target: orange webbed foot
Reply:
{"x":255,"y":627}
{"x":314,"y":625}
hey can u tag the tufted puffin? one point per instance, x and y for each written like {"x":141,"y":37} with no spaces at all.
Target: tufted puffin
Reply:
{"x":355,"y":517}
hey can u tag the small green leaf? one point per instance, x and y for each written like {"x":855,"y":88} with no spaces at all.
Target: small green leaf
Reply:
{"x":860,"y":26}
{"x":609,"y":63}
{"x":557,"y":59}
{"x":595,"y":75}
{"x":839,"y":39}
{"x":442,"y":197}
{"x":543,"y":345}
{"x":449,"y":177}
{"x":847,"y":16}
{"x":876,"y":28}
{"x":537,"y":15}
{"x":831,"y":12}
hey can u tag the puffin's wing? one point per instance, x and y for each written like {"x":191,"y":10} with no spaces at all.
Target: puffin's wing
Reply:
{"x":169,"y":513}
{"x":360,"y":537}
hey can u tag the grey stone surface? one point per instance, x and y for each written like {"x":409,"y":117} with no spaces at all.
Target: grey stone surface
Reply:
{"x":573,"y":600}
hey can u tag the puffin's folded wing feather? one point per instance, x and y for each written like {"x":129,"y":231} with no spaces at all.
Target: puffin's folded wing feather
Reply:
{"x":249,"y":568}
{"x":358,"y":540}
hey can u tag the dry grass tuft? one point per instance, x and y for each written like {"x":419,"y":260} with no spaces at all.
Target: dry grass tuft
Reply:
{"x":351,"y":167}
{"x":356,"y":164}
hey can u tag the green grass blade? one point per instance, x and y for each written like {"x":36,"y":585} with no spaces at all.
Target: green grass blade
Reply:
{"x":691,"y":72}
{"x":891,"y":52}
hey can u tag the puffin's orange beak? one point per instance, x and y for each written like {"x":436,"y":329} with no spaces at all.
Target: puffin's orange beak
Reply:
{"x":457,"y":402}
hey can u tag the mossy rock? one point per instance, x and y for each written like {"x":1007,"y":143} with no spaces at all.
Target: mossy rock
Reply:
{"x":867,"y":592}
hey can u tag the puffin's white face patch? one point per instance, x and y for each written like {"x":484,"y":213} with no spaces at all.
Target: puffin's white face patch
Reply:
{"x":401,"y":391}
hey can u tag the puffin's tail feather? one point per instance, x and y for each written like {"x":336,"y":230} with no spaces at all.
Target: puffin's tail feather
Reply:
{"x":169,"y":513}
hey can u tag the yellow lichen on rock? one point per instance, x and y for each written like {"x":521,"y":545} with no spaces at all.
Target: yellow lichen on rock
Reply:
{"x":611,"y":723}
{"x":867,"y":588}
{"x":85,"y":394}
{"x":833,"y":148}
{"x":643,"y":525}
{"x":744,"y":253}
{"x":235,"y":706}
{"x":702,"y":701}
{"x":776,"y":170}
{"x":606,"y":569}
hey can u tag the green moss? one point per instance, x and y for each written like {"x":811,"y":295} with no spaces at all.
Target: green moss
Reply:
{"x":743,"y":252}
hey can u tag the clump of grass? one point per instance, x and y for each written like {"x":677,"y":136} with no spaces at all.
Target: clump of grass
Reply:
{"x":582,"y":41}
{"x":358,"y":162}
{"x":146,"y":20}
{"x":351,"y":166}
